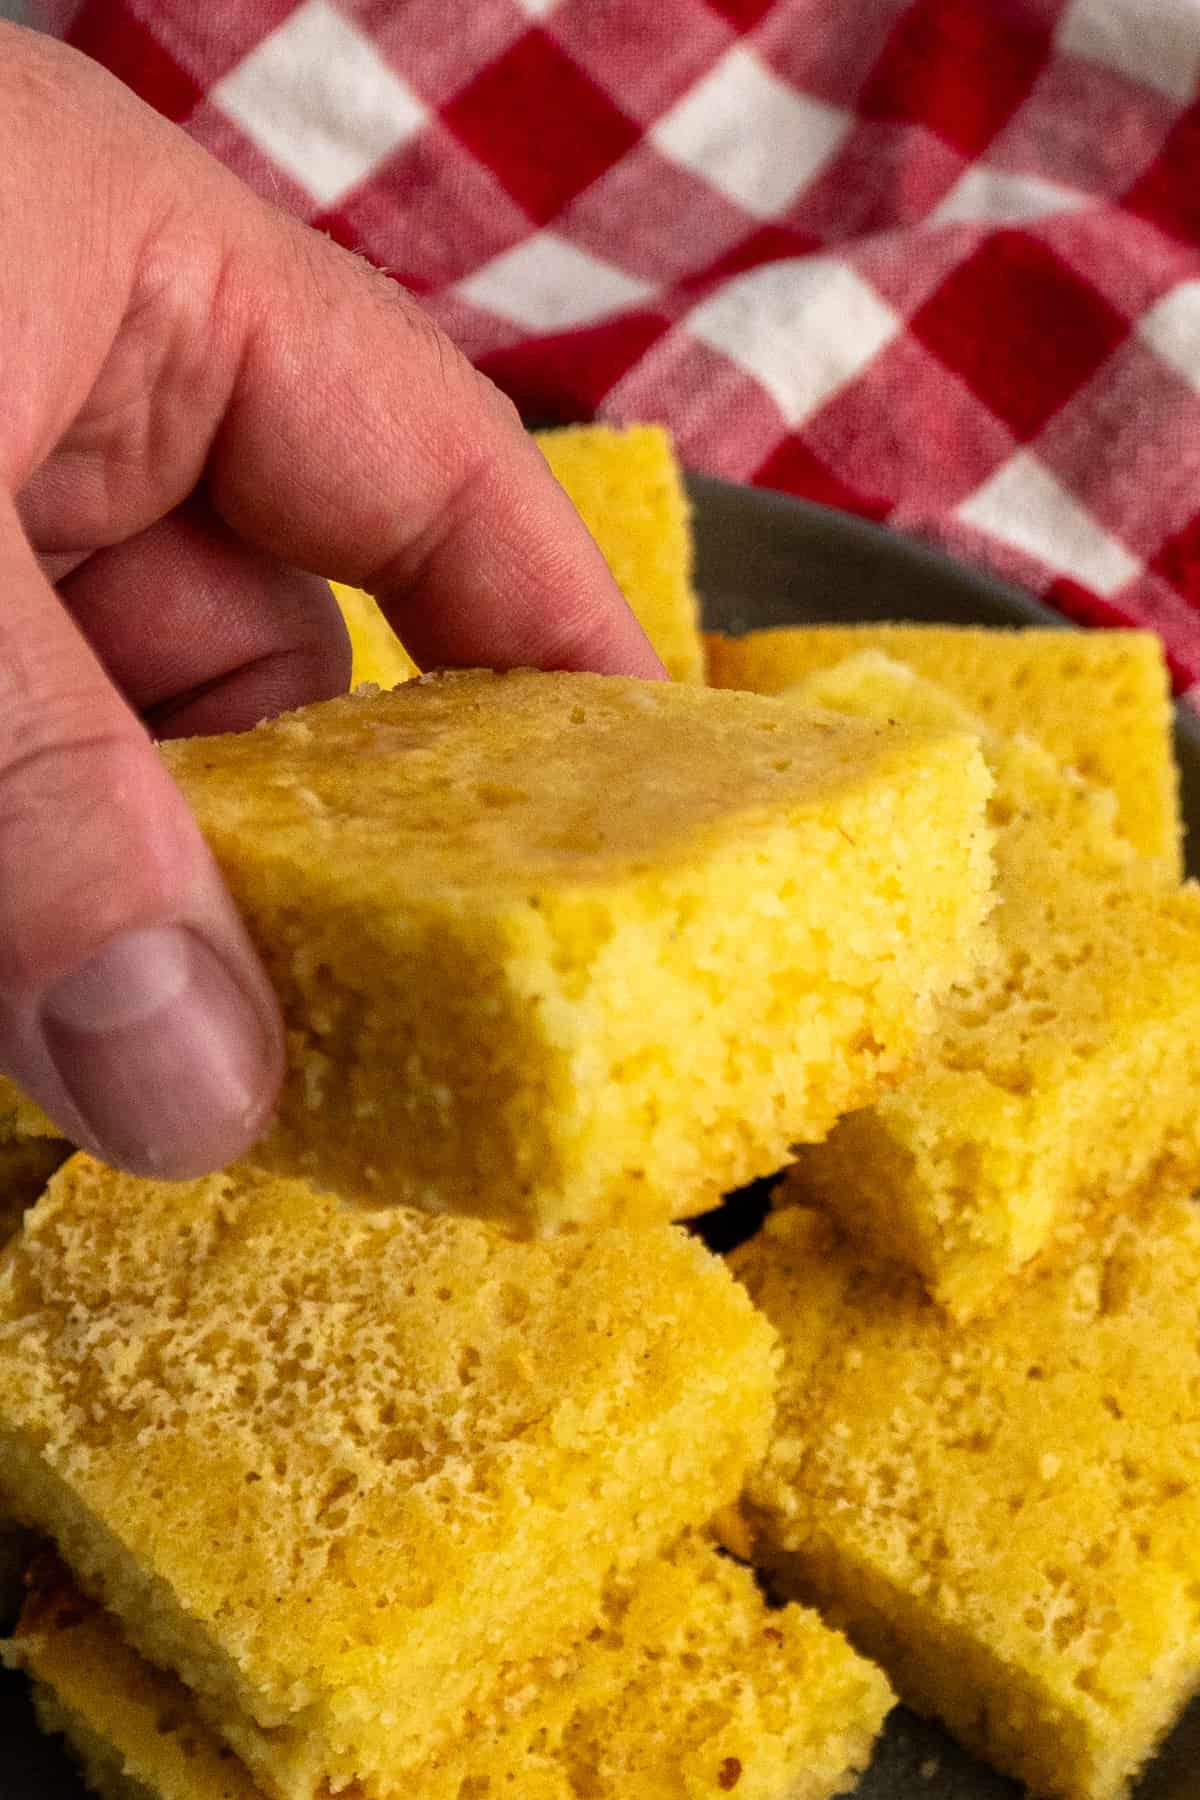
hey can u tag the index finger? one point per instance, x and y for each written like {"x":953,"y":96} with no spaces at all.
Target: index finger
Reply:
{"x":358,"y":443}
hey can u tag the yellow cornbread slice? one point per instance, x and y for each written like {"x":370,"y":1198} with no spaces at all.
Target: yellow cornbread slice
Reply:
{"x":1063,"y":1074}
{"x":685,"y":1688}
{"x":1005,"y":1514}
{"x":568,"y":948}
{"x":379,"y":656}
{"x":1041,"y":810}
{"x":627,"y":488}
{"x":336,"y":1468}
{"x":1098,"y":700}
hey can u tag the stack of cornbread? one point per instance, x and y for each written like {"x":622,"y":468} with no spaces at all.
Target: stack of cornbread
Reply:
{"x":396,"y":1462}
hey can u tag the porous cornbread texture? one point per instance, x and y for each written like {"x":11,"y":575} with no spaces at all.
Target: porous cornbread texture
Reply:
{"x":628,"y":490}
{"x":1098,"y":700}
{"x":567,"y":948}
{"x":1006,"y":1514}
{"x":378,"y":654}
{"x":685,"y":1688}
{"x":336,"y":1468}
{"x":1065,"y":1074}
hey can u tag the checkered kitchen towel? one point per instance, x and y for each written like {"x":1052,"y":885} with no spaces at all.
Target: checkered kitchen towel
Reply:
{"x":933,"y":261}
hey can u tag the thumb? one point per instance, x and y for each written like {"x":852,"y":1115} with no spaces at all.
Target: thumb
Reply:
{"x":132,"y":1005}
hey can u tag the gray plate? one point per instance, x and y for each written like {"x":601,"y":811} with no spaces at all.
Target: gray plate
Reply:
{"x":764,"y":559}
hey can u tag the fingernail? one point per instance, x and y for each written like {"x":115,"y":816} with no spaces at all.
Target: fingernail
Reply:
{"x":169,"y":1061}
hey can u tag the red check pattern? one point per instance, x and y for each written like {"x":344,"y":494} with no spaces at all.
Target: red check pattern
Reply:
{"x":936,"y":262}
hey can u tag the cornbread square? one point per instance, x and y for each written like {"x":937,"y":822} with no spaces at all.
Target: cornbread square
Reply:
{"x":1099,"y":701}
{"x":1064,"y":1074}
{"x":566,"y":948}
{"x":336,"y":1468}
{"x":378,"y":654}
{"x":628,"y":490}
{"x":686,"y":1686}
{"x":1005,"y":1514}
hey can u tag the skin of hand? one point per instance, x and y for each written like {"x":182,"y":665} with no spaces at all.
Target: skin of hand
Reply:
{"x":201,"y":398}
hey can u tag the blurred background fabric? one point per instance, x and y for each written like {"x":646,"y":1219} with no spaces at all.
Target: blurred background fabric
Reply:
{"x":935,"y":262}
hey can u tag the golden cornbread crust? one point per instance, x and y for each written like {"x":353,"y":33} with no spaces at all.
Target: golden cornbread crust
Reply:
{"x":1061,"y":1078}
{"x":337,"y":1468}
{"x":685,"y":1688}
{"x":1100,"y":701}
{"x":562,"y":949}
{"x":1006,"y":1514}
{"x":628,"y":490}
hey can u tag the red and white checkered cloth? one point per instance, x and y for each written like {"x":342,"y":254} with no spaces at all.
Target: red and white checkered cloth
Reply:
{"x":932,"y":261}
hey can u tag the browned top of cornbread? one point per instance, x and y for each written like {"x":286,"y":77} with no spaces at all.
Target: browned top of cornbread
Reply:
{"x":480,"y":781}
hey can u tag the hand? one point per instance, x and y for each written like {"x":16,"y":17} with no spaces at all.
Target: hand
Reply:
{"x":201,"y":397}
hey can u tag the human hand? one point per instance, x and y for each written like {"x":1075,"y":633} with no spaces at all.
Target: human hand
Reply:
{"x":201,"y":397}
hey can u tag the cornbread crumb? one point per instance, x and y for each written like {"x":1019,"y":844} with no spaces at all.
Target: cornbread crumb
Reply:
{"x":1100,"y":701}
{"x":566,"y":948}
{"x":337,"y":1468}
{"x":628,"y":490}
{"x":1005,"y":1514}
{"x":686,"y":1687}
{"x":1062,"y":1077}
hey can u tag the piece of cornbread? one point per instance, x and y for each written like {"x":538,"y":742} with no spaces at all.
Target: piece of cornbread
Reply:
{"x":1098,"y":700}
{"x":1005,"y":1514}
{"x":1063,"y":1074}
{"x":1041,"y":810}
{"x":336,"y":1468}
{"x":379,"y":656}
{"x":628,"y":490}
{"x":567,"y":948}
{"x":685,"y":1688}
